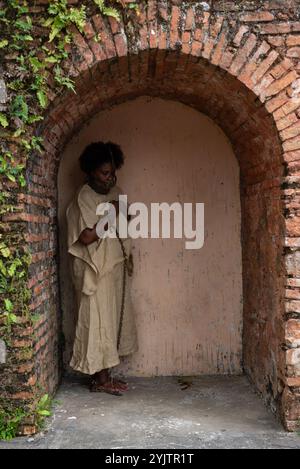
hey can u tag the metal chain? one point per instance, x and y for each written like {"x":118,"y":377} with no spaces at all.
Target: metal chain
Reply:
{"x":123,"y":289}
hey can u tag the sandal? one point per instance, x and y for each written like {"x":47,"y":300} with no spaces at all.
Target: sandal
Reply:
{"x":120,"y":383}
{"x":109,"y":388}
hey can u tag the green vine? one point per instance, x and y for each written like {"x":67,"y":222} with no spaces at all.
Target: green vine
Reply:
{"x":32,"y":63}
{"x":12,"y":417}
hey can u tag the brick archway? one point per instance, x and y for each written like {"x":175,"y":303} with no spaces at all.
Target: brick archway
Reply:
{"x":235,"y":69}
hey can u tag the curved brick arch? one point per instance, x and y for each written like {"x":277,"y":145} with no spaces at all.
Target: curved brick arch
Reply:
{"x":242,"y":73}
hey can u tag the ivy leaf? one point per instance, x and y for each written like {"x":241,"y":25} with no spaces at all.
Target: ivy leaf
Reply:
{"x":43,"y":400}
{"x":24,"y":25}
{"x":12,"y":318}
{"x":54,"y":33}
{"x":22,"y":181}
{"x":100,"y":3}
{"x":54,"y":8}
{"x":34,"y":118}
{"x":11,"y":177}
{"x":12,"y":269}
{"x":56,"y":28}
{"x":78,"y":17}
{"x":36,"y":64}
{"x":51,"y":59}
{"x":3,"y":43}
{"x":132,"y":6}
{"x":4,"y":251}
{"x":3,"y":120}
{"x":109,"y":11}
{"x":112,"y":12}
{"x":3,"y":268}
{"x":26,"y":144}
{"x":42,"y":97}
{"x":8,"y":305}
{"x":19,"y":108}
{"x":18,"y":132}
{"x":45,"y":413}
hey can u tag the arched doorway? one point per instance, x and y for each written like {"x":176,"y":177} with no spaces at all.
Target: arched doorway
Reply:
{"x":252,"y":133}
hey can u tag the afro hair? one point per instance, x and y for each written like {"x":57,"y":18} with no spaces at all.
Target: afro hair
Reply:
{"x":98,"y":153}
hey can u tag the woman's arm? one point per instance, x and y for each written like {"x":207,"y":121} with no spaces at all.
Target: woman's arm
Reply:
{"x":88,"y":236}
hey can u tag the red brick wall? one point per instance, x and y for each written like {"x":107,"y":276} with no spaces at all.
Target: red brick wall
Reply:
{"x":238,"y":62}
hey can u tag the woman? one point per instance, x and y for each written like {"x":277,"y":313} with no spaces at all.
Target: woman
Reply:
{"x":100,"y":269}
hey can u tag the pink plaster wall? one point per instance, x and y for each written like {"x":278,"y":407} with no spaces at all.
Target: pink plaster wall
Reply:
{"x":188,"y":304}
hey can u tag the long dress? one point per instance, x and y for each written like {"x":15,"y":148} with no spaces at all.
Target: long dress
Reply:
{"x":97,"y":274}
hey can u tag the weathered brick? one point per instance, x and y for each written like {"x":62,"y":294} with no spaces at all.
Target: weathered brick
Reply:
{"x":291,"y":132}
{"x":286,"y":122}
{"x":252,"y":64}
{"x":281,"y":28}
{"x":291,"y":408}
{"x":294,"y":52}
{"x":264,"y":66}
{"x":240,"y":34}
{"x":257,"y":17}
{"x":273,"y":104}
{"x":106,"y":39}
{"x":281,"y":68}
{"x":84,"y":50}
{"x":218,"y":51}
{"x":293,"y":40}
{"x":190,"y":19}
{"x":280,"y":84}
{"x":261,"y":88}
{"x":288,"y":107}
{"x":293,"y":357}
{"x":293,"y":282}
{"x":292,"y":156}
{"x":292,"y":332}
{"x":23,"y":396}
{"x":292,"y":261}
{"x":243,"y":54}
{"x":276,"y":41}
{"x":293,"y":382}
{"x":26,"y":368}
{"x":210,"y":42}
{"x":88,"y":30}
{"x":174,"y":28}
{"x":293,"y":144}
{"x":116,"y":26}
{"x":121,"y":44}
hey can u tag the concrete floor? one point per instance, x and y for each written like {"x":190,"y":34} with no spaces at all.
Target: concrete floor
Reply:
{"x":213,"y":412}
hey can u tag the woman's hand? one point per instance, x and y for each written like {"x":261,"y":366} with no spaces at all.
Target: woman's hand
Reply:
{"x":88,"y":236}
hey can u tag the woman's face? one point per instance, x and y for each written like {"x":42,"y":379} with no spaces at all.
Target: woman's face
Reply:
{"x":105,"y":175}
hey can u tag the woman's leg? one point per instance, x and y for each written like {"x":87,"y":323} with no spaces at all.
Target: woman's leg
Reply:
{"x":101,"y":377}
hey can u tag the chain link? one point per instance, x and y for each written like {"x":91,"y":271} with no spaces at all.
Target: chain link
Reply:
{"x":123,"y":288}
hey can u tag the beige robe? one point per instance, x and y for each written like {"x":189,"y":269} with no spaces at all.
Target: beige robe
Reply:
{"x":97,"y":274}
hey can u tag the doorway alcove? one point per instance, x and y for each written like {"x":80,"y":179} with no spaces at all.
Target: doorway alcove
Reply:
{"x":254,"y":150}
{"x":188,"y":303}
